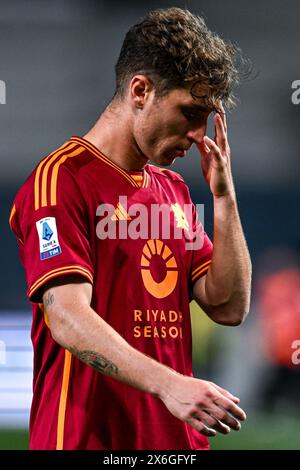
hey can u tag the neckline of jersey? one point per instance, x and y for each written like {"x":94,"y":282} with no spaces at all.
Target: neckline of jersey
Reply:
{"x":127,"y":173}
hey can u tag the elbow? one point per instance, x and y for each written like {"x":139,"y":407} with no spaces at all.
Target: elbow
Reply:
{"x":234,"y":311}
{"x":231,"y":320}
{"x":58,"y":327}
{"x":57,"y":333}
{"x":228,"y":315}
{"x":237,"y":315}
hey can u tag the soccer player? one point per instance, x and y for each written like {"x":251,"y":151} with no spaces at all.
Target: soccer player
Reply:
{"x":109,"y":286}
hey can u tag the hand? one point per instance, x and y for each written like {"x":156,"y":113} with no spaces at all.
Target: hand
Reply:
{"x":204,"y":405}
{"x":215,"y":158}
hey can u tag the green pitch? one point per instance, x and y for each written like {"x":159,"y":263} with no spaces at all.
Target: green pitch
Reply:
{"x":260,"y":432}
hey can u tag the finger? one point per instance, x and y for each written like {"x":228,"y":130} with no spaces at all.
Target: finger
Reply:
{"x":222,"y":113}
{"x":223,"y":417}
{"x":226,"y":393}
{"x":228,"y":405}
{"x":213,"y":423}
{"x":213,"y":147}
{"x":204,"y":150}
{"x":221,"y":137}
{"x":200,"y":427}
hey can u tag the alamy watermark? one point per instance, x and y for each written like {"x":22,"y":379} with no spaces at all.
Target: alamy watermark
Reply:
{"x":296,"y":94}
{"x":154,"y":221}
{"x":2,"y":92}
{"x":296,"y":354}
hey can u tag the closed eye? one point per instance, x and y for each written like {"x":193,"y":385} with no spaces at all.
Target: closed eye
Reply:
{"x":191,"y":116}
{"x":195,"y":113}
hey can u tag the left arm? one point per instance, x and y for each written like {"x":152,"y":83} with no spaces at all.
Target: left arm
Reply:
{"x":224,"y":293}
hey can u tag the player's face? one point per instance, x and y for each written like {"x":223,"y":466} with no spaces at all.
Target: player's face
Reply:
{"x":168,"y":126}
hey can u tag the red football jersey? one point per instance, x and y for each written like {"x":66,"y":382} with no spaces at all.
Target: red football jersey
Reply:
{"x":70,"y":216}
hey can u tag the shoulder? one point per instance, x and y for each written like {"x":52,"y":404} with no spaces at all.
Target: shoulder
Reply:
{"x":70,"y":156}
{"x":58,"y":169}
{"x":167,"y":174}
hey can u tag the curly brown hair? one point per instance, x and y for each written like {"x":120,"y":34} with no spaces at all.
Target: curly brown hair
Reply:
{"x":174,"y":48}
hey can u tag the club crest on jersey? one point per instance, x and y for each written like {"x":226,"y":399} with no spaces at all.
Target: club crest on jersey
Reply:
{"x":48,"y":238}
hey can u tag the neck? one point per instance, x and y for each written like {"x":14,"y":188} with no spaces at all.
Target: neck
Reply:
{"x":112,"y":135}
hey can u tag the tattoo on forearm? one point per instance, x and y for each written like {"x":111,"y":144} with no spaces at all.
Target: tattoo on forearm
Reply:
{"x":95,"y":360}
{"x":49,"y":299}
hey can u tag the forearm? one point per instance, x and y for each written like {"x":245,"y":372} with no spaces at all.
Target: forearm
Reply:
{"x":228,"y":281}
{"x":225,"y":292}
{"x":80,"y":330}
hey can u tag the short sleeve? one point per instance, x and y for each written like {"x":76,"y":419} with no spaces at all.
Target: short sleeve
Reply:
{"x":55,"y":237}
{"x":202,"y":250}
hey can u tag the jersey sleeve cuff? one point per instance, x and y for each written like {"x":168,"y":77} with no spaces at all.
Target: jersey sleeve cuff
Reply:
{"x":200,"y":270}
{"x":34,"y":288}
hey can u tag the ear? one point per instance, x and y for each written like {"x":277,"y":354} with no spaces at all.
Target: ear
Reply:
{"x":140,"y":89}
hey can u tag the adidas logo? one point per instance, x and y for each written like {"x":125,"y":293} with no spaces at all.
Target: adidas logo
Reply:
{"x":120,"y":213}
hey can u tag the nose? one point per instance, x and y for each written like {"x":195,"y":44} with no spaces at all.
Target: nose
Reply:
{"x":196,"y":134}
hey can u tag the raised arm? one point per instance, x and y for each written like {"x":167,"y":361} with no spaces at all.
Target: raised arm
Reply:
{"x":77,"y":327}
{"x":224,"y":293}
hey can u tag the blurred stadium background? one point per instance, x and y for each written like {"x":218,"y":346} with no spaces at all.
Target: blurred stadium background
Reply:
{"x":57,"y":60}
